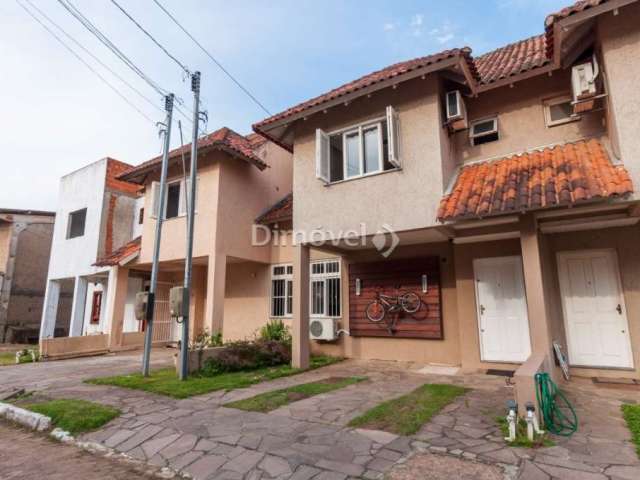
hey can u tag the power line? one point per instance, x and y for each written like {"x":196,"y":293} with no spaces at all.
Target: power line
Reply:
{"x":104,"y":65}
{"x":213,"y":59}
{"x":86,"y":64}
{"x":180,"y":64}
{"x":110,"y":45}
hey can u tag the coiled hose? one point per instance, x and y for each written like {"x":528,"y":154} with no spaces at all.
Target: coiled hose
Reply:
{"x":553,"y":405}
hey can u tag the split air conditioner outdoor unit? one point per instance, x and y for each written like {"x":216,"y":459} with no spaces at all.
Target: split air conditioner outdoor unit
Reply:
{"x":583,"y":85}
{"x":323,"y":329}
{"x":455,"y":111}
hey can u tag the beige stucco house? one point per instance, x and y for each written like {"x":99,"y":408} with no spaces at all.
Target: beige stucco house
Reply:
{"x":499,"y":190}
{"x":505,"y":185}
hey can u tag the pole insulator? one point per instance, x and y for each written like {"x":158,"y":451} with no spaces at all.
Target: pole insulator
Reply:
{"x":195,"y":82}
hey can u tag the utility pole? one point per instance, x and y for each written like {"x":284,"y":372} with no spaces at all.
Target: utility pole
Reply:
{"x":148,"y":334}
{"x":191,"y":208}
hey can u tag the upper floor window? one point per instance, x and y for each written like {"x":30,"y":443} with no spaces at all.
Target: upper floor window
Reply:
{"x":175,"y":198}
{"x":559,"y":110}
{"x":76,"y":223}
{"x":360,"y":150}
{"x":484,"y":131}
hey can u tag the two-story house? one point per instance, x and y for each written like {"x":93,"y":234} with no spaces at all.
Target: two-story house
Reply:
{"x":498,"y":190}
{"x":96,"y":215}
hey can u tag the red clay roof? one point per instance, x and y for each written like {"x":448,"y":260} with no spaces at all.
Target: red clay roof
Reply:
{"x":562,"y":175}
{"x":224,"y":139}
{"x":386,"y":73}
{"x":512,"y":59}
{"x":282,"y":210}
{"x":120,"y":254}
{"x":505,"y":62}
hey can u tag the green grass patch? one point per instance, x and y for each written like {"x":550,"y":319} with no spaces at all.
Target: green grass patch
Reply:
{"x":631,"y":414}
{"x":9,"y":358}
{"x":407,"y":414}
{"x":521,"y":435}
{"x":266,"y":402}
{"x":74,"y":416}
{"x":166,"y":382}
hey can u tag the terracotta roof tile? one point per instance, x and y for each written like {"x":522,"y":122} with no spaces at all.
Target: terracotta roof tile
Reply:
{"x":512,"y":59}
{"x":386,"y":73}
{"x":282,"y":210}
{"x":562,"y":175}
{"x":224,"y":139}
{"x":120,"y":254}
{"x":551,"y":19}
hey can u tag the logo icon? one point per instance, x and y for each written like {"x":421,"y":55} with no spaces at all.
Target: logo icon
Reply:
{"x":385,"y":240}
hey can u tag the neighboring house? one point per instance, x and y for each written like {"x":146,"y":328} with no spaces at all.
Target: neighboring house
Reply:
{"x":237,"y":179}
{"x":507,"y":183}
{"x":25,"y":242}
{"x":97,"y":214}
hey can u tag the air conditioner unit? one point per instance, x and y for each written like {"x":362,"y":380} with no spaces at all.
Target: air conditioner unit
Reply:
{"x":323,"y":329}
{"x":455,"y":110}
{"x":583,"y":85}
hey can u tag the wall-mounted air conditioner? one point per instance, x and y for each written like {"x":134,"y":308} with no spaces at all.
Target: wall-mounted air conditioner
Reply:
{"x":583,"y":85}
{"x":323,"y":329}
{"x":455,"y":110}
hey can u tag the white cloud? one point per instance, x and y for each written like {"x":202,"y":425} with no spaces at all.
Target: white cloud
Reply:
{"x":443,"y":34}
{"x":387,"y":27}
{"x":416,"y":24}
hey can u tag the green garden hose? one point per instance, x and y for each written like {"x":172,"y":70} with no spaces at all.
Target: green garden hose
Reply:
{"x":553,"y":407}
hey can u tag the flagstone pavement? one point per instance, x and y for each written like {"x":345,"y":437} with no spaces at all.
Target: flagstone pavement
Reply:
{"x":311,"y":438}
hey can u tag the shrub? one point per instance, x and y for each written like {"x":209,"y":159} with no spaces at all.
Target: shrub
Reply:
{"x":246,"y":355}
{"x":204,"y":340}
{"x":276,"y":331}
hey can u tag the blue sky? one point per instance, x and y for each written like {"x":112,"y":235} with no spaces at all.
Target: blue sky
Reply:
{"x":57,"y":116}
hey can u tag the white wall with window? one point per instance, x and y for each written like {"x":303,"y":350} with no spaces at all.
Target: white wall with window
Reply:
{"x":324,"y":289}
{"x":359,"y":150}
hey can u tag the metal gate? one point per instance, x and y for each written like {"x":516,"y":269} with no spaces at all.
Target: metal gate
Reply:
{"x":161,"y":317}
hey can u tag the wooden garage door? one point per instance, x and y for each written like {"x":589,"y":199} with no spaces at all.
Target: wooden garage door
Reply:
{"x":391,"y":278}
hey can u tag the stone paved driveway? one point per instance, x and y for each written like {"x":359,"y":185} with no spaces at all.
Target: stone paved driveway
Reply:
{"x":311,"y":439}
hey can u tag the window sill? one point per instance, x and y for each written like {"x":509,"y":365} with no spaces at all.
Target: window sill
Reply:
{"x":360,"y":177}
{"x":563,"y":122}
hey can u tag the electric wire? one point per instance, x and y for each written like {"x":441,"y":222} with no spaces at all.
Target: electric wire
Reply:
{"x":213,"y":59}
{"x":84,"y":62}
{"x":88,"y":52}
{"x":117,"y":52}
{"x":151,"y":37}
{"x":110,"y":45}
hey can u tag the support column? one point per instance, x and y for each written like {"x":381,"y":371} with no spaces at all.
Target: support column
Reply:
{"x":198,"y":301}
{"x":538,"y":320}
{"x":115,"y":304}
{"x":300,"y":330}
{"x":541,"y":358}
{"x":50,"y":310}
{"x":77,"y":308}
{"x":216,"y":277}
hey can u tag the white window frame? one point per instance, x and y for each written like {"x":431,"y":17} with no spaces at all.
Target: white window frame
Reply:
{"x":287,"y":276}
{"x":360,"y":130}
{"x":473,"y":136}
{"x":323,"y":277}
{"x":182,"y":199}
{"x":458,"y":114}
{"x":547,"y":104}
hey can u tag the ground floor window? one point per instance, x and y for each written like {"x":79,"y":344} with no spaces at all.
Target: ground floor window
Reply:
{"x":325,"y":288}
{"x":281,"y":290}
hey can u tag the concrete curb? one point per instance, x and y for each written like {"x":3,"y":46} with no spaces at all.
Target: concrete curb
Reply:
{"x":26,"y":418}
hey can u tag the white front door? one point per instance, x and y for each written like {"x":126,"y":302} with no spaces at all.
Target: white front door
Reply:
{"x":502,"y":309}
{"x":594,"y":312}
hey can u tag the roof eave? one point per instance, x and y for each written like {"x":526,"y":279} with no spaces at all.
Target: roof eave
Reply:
{"x":265,"y":129}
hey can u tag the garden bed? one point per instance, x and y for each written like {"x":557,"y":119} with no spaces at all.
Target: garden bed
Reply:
{"x":166,"y":382}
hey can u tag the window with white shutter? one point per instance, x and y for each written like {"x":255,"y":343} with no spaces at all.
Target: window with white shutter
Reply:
{"x":325,"y":289}
{"x":366,"y":149}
